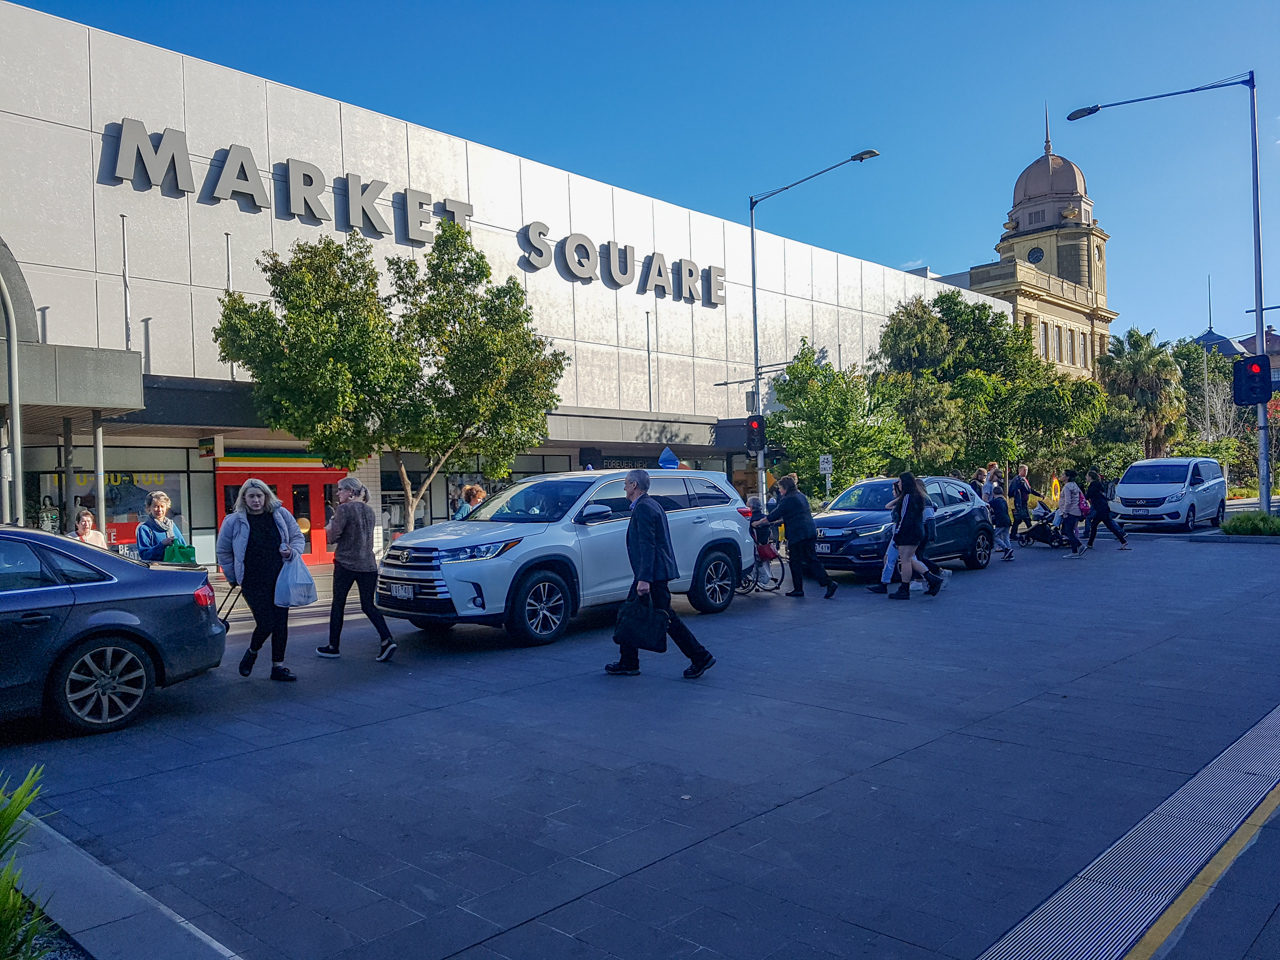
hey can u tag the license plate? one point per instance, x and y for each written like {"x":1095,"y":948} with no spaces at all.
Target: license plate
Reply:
{"x":824,"y":547}
{"x":402,"y":591}
{"x":1141,"y":510}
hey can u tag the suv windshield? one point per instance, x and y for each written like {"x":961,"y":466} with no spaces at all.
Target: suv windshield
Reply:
{"x":538,"y":501}
{"x":864,"y":496}
{"x":1156,"y":473}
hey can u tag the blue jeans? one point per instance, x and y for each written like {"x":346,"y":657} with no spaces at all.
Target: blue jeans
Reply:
{"x":1069,"y":522}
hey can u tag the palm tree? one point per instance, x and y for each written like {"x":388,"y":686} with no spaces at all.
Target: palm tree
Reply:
{"x":1145,"y":370}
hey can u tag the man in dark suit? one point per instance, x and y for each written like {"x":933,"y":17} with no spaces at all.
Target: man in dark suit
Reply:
{"x":796,"y":518}
{"x":653,"y":564}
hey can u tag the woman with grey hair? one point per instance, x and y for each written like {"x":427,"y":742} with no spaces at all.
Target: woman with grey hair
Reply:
{"x":255,"y":540}
{"x":155,"y":534}
{"x":350,"y":533}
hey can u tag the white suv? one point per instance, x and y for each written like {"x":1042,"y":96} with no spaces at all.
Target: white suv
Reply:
{"x":1174,"y":491}
{"x":533,"y":555}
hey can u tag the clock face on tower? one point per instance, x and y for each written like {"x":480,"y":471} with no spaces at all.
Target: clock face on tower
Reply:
{"x":1035,"y":255}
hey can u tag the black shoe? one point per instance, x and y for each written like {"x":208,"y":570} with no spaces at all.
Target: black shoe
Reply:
{"x":903,"y":593}
{"x":280,"y":672}
{"x":795,"y":593}
{"x":879,"y":588}
{"x":247,"y":661}
{"x":695,"y":670}
{"x":388,"y":650}
{"x":831,"y":590}
{"x":935,"y":584}
{"x":618,"y":670}
{"x":328,"y":650}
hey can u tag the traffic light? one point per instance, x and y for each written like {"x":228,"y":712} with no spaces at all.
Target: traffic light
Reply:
{"x":755,"y":433}
{"x":1252,"y":381}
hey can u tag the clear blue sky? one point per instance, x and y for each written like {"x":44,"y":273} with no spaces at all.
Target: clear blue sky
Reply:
{"x":702,"y":104}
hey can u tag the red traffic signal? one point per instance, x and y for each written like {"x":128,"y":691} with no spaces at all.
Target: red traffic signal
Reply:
{"x":755,"y":434}
{"x":1252,"y":381}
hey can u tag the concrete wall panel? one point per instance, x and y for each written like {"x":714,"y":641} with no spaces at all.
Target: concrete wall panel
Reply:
{"x":770,"y":274}
{"x":895,"y":290}
{"x":595,"y":314}
{"x":710,"y":400}
{"x":306,"y":127}
{"x":568,"y":388}
{"x":499,"y":248}
{"x":912,"y":286}
{"x":494,"y":179}
{"x":673,"y":387}
{"x":158,"y":231}
{"x":205,"y":313}
{"x":773,"y":328}
{"x":544,"y":195}
{"x":826,"y":329}
{"x":849,"y":281}
{"x":633,"y":221}
{"x":376,"y":147}
{"x":737,"y":253}
{"x":209,"y":222}
{"x":825,"y":279}
{"x":66,"y":304}
{"x":633,"y":380}
{"x":706,"y":236}
{"x":591,"y":210}
{"x":136,"y":80}
{"x":223,"y":107}
{"x":438,"y":164}
{"x":44,"y":63}
{"x":671,"y":231}
{"x":852,"y":355}
{"x":631,"y":318}
{"x":873,"y":300}
{"x":737,"y":308}
{"x":162,"y":328}
{"x":709,"y":330}
{"x":551,"y":299}
{"x":673,"y":326}
{"x":47,"y":202}
{"x":597,"y":376}
{"x":799,"y":324}
{"x":798,"y":259}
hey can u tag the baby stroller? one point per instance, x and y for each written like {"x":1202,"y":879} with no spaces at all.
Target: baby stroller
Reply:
{"x":1044,"y":530}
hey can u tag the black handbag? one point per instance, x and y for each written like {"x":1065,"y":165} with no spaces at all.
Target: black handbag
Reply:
{"x":641,"y":625}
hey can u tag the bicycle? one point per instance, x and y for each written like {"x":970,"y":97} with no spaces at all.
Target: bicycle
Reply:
{"x":766,"y":574}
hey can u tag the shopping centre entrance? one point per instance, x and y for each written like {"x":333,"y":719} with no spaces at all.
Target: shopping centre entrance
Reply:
{"x":309,"y":492}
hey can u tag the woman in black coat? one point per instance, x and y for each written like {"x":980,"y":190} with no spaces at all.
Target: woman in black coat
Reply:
{"x":909,"y":535}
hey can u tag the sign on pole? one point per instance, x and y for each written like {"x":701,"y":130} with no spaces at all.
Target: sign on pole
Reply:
{"x":824,"y":468}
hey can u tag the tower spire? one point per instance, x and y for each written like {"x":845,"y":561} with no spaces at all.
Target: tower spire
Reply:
{"x":1048,"y":146}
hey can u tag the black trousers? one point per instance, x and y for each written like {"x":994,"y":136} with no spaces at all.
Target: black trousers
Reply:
{"x":1021,"y":515}
{"x":920,"y":551}
{"x":1109,"y":523}
{"x":268,"y":619}
{"x":676,"y":630}
{"x":803,"y":556}
{"x":366,"y":582}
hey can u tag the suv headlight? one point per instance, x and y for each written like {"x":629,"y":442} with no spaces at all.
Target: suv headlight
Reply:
{"x":481,"y":551}
{"x":1174,"y":498}
{"x":875,"y":530}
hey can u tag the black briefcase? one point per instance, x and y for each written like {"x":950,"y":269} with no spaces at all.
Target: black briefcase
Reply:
{"x":641,"y":625}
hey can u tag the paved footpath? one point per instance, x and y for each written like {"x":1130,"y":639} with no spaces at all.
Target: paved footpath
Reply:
{"x":854,"y":778}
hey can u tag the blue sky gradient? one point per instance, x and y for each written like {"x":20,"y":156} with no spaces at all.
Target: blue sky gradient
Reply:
{"x":703,"y":104}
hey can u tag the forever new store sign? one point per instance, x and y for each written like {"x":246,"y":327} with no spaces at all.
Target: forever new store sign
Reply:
{"x":579,"y":256}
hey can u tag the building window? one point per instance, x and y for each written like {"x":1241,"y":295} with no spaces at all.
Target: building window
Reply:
{"x":1044,"y":340}
{"x":1036,"y":216}
{"x":1084,"y":350}
{"x":1071,"y":347}
{"x":1057,"y":344}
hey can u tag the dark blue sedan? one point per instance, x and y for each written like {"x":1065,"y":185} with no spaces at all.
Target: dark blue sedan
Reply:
{"x":855,"y":529}
{"x":88,"y":635}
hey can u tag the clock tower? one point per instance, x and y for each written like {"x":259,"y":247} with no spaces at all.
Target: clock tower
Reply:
{"x":1053,"y":264}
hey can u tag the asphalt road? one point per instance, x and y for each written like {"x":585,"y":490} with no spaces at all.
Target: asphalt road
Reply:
{"x":854,"y":778}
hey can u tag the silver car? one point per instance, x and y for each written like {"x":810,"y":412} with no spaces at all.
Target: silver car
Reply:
{"x":1173,"y":491}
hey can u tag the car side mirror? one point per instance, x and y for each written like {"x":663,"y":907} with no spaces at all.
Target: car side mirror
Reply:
{"x":594,"y":513}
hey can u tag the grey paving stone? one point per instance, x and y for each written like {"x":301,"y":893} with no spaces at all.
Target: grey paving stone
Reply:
{"x":301,"y":934}
{"x":537,"y":941}
{"x":1226,"y":925}
{"x":422,"y":892}
{"x":376,"y":919}
{"x":144,"y":936}
{"x":642,"y":847}
{"x":727,"y":935}
{"x":306,"y":882}
{"x":443,"y":935}
{"x":74,"y":895}
{"x":576,"y":916}
{"x":538,"y":893}
{"x":630,"y":939}
{"x":515,"y":852}
{"x":642,"y":902}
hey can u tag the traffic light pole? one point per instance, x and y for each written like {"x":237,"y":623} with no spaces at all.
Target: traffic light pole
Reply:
{"x":1260,"y":341}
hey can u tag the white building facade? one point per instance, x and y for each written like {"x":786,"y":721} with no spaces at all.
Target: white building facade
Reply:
{"x":199,"y":168}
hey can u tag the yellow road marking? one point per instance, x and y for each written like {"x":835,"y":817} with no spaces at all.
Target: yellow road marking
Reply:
{"x":1212,"y":872}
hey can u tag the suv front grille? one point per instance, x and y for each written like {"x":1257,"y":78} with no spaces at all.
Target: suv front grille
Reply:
{"x":412,"y":558}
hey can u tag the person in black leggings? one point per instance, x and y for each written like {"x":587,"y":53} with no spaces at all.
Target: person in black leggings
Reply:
{"x":1096,"y":494}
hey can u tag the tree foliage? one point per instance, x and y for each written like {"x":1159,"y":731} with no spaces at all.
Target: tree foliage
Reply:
{"x":836,"y":412}
{"x":446,"y":366}
{"x":969,"y":387}
{"x":1144,"y":370}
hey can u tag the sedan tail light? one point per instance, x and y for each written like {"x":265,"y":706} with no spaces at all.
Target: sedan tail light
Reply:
{"x":745,"y":511}
{"x":204,"y":596}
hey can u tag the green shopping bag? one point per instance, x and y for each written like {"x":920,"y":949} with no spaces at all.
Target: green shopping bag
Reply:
{"x":179,"y":553}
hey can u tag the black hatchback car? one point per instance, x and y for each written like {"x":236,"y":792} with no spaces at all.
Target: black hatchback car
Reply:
{"x":855,"y":529}
{"x":88,"y":635}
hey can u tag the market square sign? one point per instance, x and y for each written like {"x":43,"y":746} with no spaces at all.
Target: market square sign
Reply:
{"x":577,"y":256}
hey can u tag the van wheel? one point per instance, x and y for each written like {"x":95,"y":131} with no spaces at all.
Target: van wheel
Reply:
{"x":1190,"y":525}
{"x":103,"y":684}
{"x":539,"y":611}
{"x":1220,"y":515}
{"x":713,"y":582}
{"x":980,"y":555}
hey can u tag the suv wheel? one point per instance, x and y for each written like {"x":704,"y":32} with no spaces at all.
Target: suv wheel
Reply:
{"x":713,"y":582}
{"x":1220,"y":515}
{"x":539,"y":611}
{"x":101,"y":685}
{"x":980,"y":555}
{"x":1190,"y":525}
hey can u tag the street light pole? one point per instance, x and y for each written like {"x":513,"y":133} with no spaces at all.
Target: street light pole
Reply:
{"x":1260,"y":343}
{"x":755,"y":314}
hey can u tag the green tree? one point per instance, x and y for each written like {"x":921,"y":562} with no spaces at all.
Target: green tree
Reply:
{"x":836,"y":412}
{"x":1146,"y":371}
{"x":447,"y":366}
{"x":487,"y":380}
{"x":324,"y":354}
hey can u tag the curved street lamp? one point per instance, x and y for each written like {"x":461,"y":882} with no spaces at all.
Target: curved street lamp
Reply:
{"x":1260,"y":343}
{"x":755,"y":317}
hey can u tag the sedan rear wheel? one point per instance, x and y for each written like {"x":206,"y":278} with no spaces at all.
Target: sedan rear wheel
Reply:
{"x":103,"y":684}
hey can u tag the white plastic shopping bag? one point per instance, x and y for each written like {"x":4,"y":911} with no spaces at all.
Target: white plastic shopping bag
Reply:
{"x":294,"y":586}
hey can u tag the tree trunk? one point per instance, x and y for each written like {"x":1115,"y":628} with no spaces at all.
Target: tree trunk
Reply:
{"x":410,"y":501}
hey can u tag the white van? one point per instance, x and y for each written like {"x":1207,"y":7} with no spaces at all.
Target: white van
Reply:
{"x":1174,"y":491}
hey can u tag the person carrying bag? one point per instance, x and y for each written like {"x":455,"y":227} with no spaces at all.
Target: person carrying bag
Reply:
{"x":642,"y":625}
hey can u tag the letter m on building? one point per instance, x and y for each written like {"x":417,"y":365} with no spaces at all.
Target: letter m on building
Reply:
{"x":135,"y":143}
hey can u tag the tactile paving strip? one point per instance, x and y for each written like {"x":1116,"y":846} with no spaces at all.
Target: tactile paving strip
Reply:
{"x":1104,"y":909}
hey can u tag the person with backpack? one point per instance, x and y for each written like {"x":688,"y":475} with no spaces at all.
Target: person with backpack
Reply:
{"x":908,"y":537}
{"x":1072,"y":506}
{"x":1097,"y":495}
{"x":1000,"y":519}
{"x":1021,"y":491}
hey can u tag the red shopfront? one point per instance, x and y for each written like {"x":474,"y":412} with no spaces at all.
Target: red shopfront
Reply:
{"x":304,"y":485}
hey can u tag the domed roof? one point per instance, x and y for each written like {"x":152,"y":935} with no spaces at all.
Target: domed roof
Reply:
{"x":1050,"y":174}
